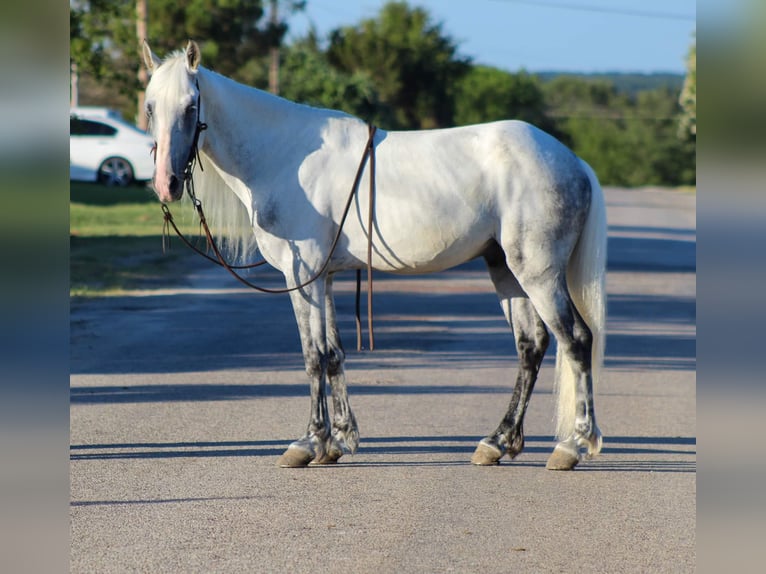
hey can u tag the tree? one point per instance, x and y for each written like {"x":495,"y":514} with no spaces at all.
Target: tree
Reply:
{"x":570,"y":96}
{"x":227,"y":32}
{"x":667,"y":160}
{"x":488,"y":94}
{"x":96,"y":29}
{"x":628,"y":140}
{"x":412,"y":62}
{"x":309,"y":78}
{"x":232,"y":36}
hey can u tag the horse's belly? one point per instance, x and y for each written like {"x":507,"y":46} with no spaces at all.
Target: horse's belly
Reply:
{"x":428,"y":249}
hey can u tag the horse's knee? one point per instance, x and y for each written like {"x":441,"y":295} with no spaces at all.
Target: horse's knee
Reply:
{"x":335,"y":359}
{"x":316,"y":363}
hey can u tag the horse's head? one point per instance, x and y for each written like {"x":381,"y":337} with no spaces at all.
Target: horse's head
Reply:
{"x":172,"y":108}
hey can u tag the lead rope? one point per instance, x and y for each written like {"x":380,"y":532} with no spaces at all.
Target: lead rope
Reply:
{"x":370,"y":212}
{"x":369,"y":151}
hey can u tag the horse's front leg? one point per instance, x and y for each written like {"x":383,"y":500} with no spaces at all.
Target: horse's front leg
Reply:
{"x":309,"y":306}
{"x":345,"y":434}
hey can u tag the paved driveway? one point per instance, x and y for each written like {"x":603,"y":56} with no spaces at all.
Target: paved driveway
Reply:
{"x":182,"y":401}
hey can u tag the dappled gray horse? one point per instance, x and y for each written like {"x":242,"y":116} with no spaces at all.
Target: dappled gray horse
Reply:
{"x":505,"y":191}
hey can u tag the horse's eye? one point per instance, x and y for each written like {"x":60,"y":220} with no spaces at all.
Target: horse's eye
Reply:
{"x":191,"y":109}
{"x":149,"y":110}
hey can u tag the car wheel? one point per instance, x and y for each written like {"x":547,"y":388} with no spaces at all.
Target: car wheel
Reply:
{"x":115,"y":171}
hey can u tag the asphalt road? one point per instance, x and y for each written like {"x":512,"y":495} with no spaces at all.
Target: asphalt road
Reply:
{"x":182,"y":400}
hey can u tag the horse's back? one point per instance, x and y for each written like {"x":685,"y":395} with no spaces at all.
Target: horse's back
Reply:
{"x":444,"y":195}
{"x":486,"y":156}
{"x":493,"y":168}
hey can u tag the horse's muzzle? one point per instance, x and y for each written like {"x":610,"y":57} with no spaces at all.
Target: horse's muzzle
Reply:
{"x":171,"y":192}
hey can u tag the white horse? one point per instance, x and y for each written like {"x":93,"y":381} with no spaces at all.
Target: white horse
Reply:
{"x":505,"y":191}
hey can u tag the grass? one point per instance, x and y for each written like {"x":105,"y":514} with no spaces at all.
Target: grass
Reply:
{"x":130,"y":219}
{"x":97,"y":194}
{"x":112,"y":265}
{"x":115,"y":241}
{"x":98,"y":211}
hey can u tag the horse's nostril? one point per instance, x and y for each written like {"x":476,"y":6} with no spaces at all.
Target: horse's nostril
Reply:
{"x":174,"y":186}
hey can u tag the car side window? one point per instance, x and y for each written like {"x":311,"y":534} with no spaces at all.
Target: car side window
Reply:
{"x":80,"y":127}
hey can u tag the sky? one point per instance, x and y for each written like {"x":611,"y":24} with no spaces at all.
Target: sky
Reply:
{"x":542,"y":35}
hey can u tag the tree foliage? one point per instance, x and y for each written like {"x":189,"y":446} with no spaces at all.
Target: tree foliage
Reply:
{"x":96,"y":30}
{"x":234,"y":36}
{"x":401,"y":70}
{"x":229,"y":30}
{"x":413,"y":63}
{"x":308,"y":77}
{"x":628,"y":140}
{"x":487,"y":94}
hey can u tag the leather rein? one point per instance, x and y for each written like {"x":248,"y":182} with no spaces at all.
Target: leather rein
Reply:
{"x":219,"y":259}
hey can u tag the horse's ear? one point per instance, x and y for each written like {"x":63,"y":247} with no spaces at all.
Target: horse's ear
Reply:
{"x":151,"y":61}
{"x":192,"y":56}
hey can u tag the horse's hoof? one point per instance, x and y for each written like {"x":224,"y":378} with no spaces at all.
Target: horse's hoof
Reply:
{"x":562,"y":459}
{"x":486,"y":454}
{"x":295,"y":457}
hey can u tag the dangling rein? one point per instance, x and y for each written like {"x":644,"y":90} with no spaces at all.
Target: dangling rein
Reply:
{"x":369,"y":152}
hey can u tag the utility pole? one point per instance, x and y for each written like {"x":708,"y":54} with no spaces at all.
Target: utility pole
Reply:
{"x":74,"y":89}
{"x":143,"y":76}
{"x":274,"y":53}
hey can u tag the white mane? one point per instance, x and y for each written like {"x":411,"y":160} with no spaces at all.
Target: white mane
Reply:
{"x":226,"y":215}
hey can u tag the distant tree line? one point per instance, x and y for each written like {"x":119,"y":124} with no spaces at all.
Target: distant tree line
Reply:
{"x":400,"y":70}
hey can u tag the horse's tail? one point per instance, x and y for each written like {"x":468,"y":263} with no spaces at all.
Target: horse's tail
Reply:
{"x":586,"y":279}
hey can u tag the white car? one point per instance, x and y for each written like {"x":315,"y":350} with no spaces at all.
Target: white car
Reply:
{"x":103,"y":147}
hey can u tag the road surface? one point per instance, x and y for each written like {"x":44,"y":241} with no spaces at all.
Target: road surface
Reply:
{"x":183,"y":399}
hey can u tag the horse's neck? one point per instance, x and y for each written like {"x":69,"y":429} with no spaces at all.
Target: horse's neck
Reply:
{"x":247,"y":130}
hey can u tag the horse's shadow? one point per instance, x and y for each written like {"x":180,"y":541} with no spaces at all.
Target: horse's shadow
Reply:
{"x":396,"y":451}
{"x":407,"y":323}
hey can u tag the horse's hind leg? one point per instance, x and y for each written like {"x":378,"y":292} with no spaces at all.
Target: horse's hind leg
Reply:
{"x":576,"y":419}
{"x":531,"y":343}
{"x":345,"y":434}
{"x":532,"y":340}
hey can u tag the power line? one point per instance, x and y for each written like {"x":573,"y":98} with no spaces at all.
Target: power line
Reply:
{"x":606,"y":10}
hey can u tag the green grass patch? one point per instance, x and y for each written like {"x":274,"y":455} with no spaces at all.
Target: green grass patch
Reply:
{"x":97,"y":194}
{"x":109,"y":265}
{"x":131,"y":219}
{"x":115,"y":241}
